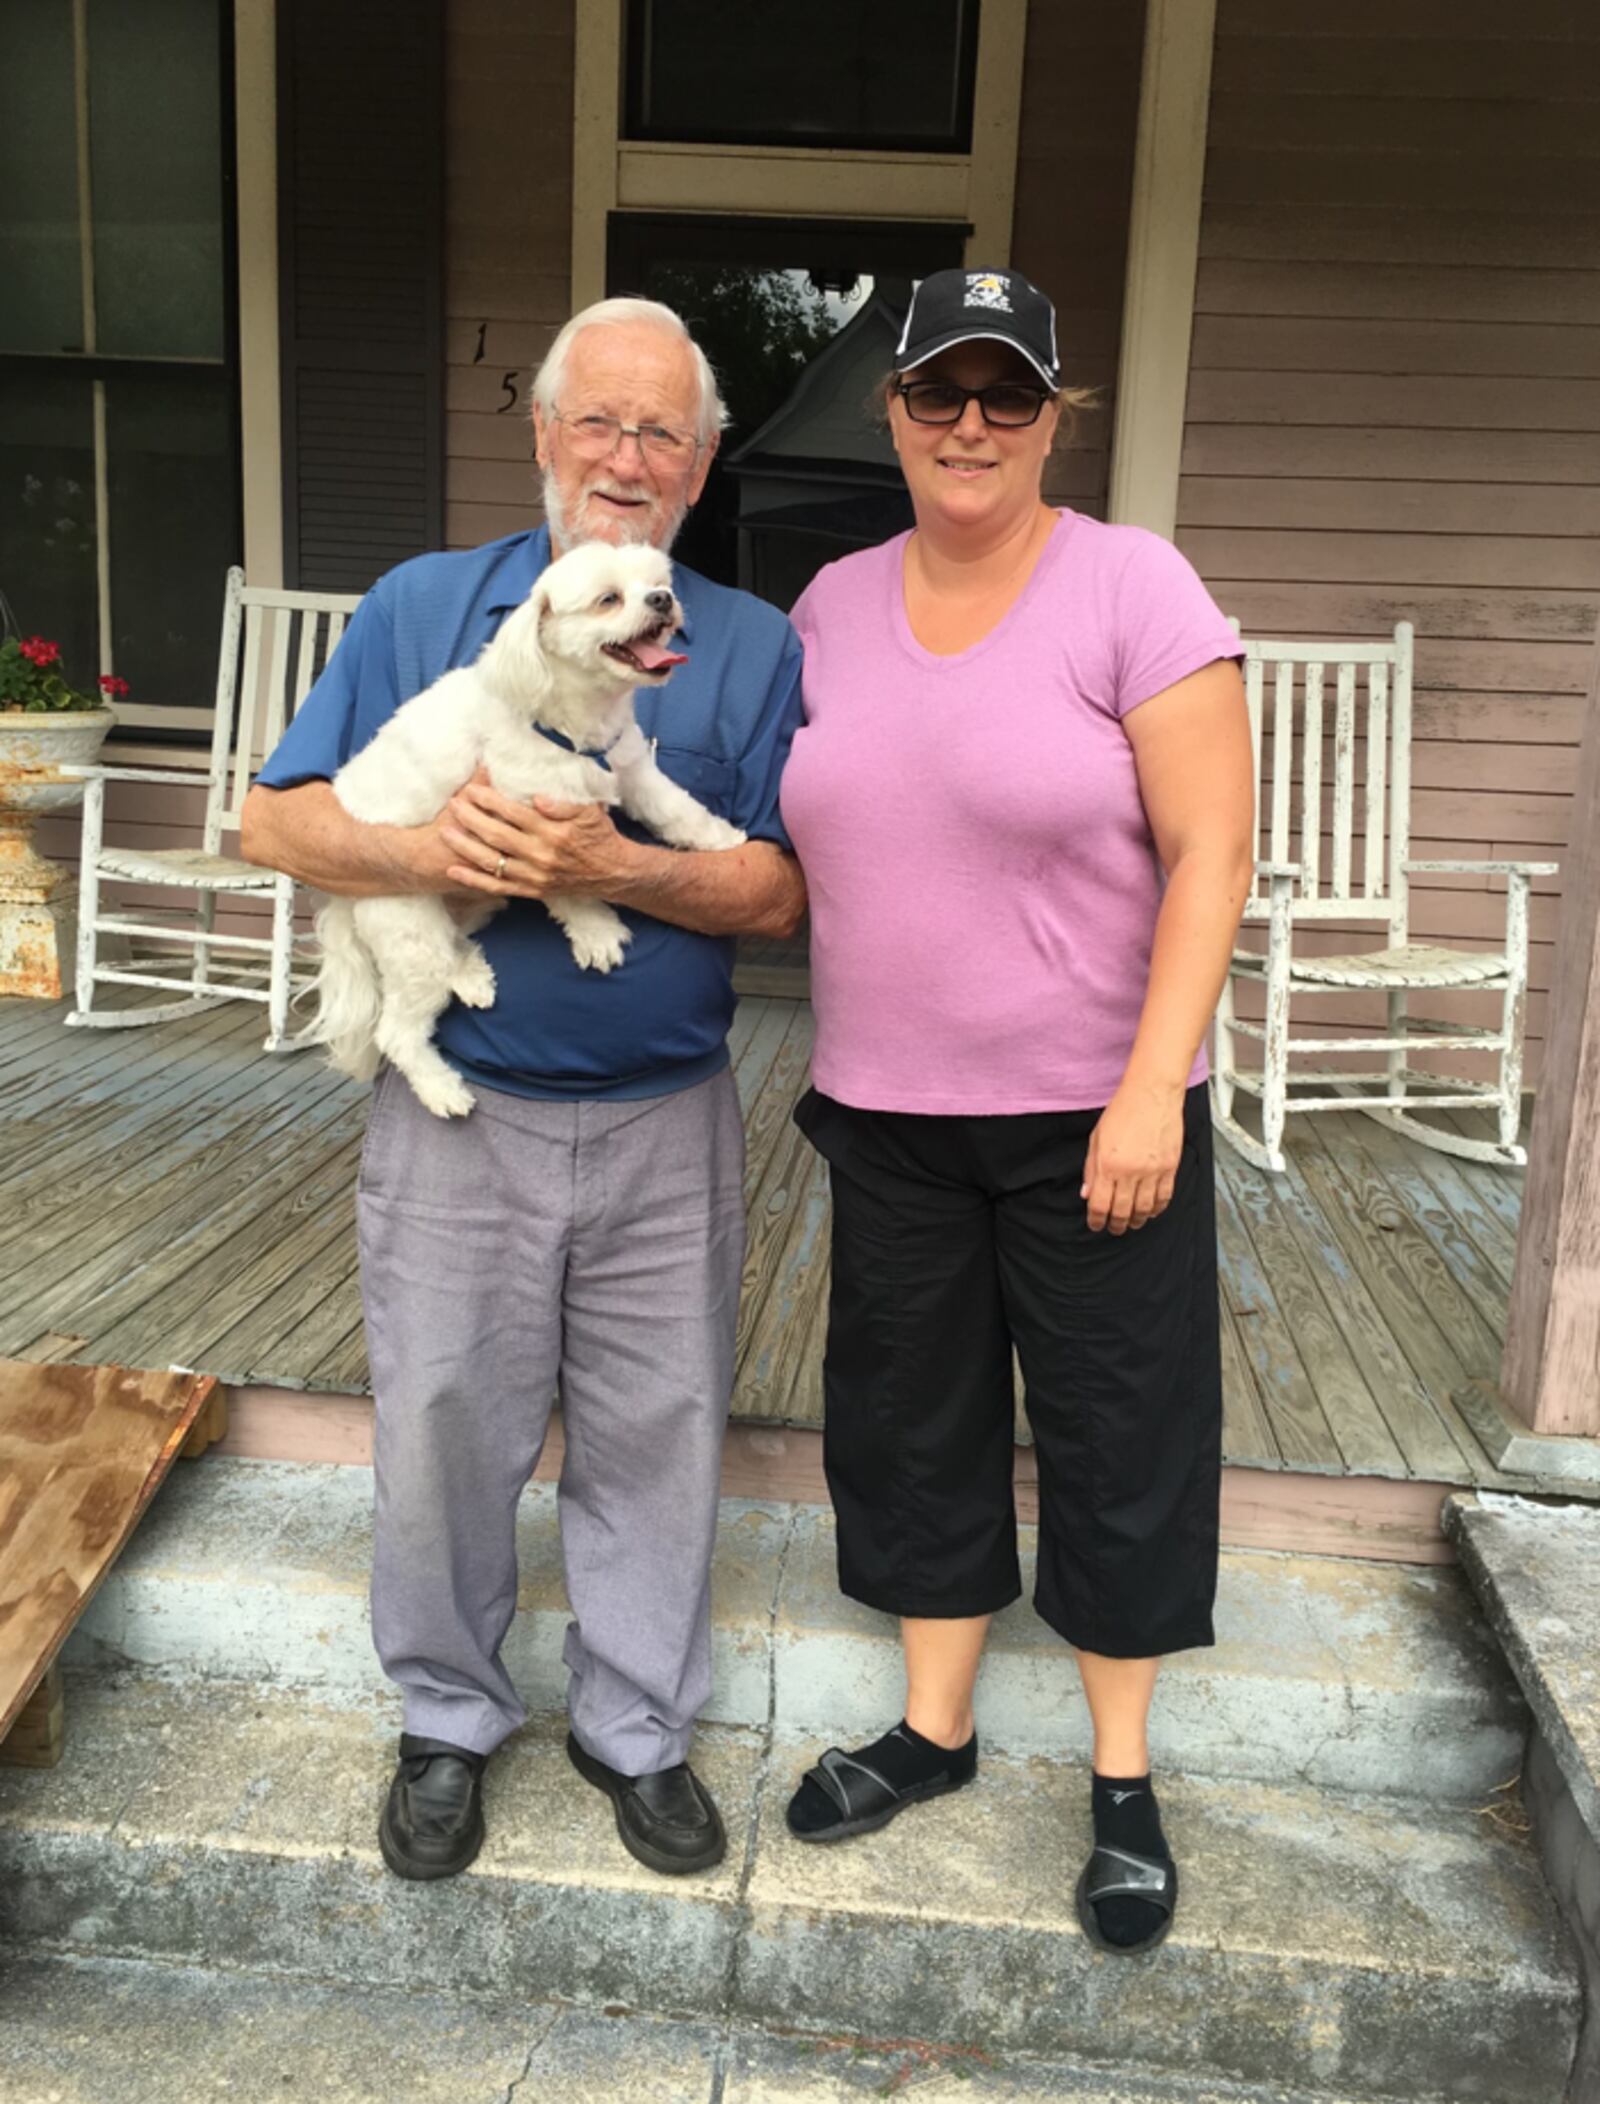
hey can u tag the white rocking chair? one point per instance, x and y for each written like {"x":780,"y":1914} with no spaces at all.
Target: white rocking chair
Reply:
{"x":1366,"y":832}
{"x":273,"y":645}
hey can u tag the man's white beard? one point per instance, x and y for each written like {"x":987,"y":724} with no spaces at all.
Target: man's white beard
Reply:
{"x":631,"y":533}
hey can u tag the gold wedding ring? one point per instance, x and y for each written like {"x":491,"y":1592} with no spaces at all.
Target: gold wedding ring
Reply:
{"x":500,"y":867}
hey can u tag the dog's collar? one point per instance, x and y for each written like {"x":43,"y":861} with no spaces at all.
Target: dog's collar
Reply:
{"x":600,"y":754}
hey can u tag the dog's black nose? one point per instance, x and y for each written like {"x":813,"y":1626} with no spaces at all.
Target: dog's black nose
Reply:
{"x":658,"y":602}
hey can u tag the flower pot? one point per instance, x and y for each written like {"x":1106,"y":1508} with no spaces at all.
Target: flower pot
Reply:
{"x":38,"y":899}
{"x":35,"y":744}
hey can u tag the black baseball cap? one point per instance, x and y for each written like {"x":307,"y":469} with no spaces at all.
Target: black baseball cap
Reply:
{"x":966,"y":306}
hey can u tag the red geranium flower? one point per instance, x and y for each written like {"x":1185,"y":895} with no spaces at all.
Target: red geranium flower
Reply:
{"x":110,"y":684}
{"x":38,"y":652}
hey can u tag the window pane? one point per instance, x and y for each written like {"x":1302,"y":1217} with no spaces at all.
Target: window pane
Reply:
{"x":47,"y":565}
{"x":172,"y":532}
{"x":41,"y":306}
{"x":155,"y":154}
{"x":831,"y":73}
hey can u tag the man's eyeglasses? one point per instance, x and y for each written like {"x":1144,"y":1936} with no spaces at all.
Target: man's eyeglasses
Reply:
{"x":595,"y":436}
{"x":1008,"y":404}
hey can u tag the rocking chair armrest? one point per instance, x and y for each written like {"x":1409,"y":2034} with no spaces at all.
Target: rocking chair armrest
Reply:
{"x":1484,"y":869}
{"x":187,"y":776}
{"x":1279,"y":873}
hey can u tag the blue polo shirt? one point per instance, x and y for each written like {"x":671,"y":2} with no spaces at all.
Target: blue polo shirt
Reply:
{"x":723,"y":723}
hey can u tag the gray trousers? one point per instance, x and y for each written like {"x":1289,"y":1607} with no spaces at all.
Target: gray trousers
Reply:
{"x":596,"y":1247}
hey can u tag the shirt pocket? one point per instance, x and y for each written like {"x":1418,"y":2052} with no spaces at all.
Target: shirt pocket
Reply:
{"x":713,"y":782}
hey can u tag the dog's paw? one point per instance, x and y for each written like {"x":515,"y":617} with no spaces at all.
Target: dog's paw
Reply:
{"x":473,"y":985}
{"x":447,"y":1095}
{"x":599,"y":949}
{"x":717,"y":833}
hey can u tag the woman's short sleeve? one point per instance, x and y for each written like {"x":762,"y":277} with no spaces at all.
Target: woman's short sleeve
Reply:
{"x":1167,"y":623}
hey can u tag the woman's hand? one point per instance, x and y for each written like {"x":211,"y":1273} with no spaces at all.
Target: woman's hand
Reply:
{"x":515,"y":850}
{"x":1134,"y":1152}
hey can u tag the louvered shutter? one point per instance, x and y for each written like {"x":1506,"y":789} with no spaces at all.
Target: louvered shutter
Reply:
{"x":361,"y":196}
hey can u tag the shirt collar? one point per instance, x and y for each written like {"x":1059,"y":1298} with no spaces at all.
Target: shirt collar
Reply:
{"x":526,"y":562}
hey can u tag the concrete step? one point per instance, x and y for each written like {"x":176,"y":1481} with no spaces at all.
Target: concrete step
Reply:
{"x":1358,"y":1947}
{"x":122,"y":2032}
{"x":1361,"y":1676}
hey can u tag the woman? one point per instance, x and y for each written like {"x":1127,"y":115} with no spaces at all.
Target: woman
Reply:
{"x":1022,"y":798}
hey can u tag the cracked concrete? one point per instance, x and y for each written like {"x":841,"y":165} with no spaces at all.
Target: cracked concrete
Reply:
{"x":259,"y":1570}
{"x":1323,"y":1938}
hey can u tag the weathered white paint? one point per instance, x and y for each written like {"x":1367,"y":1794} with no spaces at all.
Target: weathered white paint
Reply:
{"x":258,"y":690}
{"x":1371,"y":834}
{"x":1163,"y":251}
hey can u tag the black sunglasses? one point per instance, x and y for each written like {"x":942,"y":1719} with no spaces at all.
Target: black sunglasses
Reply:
{"x":1010,"y":404}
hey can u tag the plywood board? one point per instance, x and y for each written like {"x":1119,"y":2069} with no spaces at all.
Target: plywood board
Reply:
{"x":82,"y":1451}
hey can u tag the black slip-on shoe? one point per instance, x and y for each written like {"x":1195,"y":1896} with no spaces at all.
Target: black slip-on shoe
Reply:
{"x":667,"y":1820}
{"x":432,"y":1825}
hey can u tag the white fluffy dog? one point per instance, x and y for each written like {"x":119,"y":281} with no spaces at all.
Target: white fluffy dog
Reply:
{"x":594,"y":628}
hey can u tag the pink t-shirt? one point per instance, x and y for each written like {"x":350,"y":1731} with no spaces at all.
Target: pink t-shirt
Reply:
{"x":984,"y":885}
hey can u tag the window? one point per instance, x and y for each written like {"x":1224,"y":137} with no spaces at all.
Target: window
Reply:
{"x":832,"y":73}
{"x":118,"y":446}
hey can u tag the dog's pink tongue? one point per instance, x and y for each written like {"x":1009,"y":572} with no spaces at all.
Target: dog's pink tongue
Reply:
{"x":655,"y":659}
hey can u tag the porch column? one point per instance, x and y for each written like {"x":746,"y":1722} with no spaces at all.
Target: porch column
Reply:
{"x":1163,"y":253}
{"x":1550,"y":1376}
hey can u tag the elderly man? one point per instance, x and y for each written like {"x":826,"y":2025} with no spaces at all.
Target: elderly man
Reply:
{"x":584,"y":1227}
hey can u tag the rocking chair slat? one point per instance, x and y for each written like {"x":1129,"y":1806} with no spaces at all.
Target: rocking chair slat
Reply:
{"x":261,"y":681}
{"x":1370,"y":848}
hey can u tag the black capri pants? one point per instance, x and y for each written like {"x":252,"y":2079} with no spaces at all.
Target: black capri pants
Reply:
{"x":955,"y":1238}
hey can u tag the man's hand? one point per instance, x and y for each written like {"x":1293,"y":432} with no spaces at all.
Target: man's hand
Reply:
{"x":1134,"y":1153}
{"x":546,"y":847}
{"x":307,"y":833}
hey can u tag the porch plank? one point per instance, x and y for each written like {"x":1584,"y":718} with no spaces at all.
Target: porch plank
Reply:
{"x":1247,"y":1436}
{"x":175,"y":1231}
{"x":42,"y":1152}
{"x":1426,"y":1191}
{"x":1365,"y":1443}
{"x":1425,"y":1442}
{"x":1293,"y":1410}
{"x":281,"y":1249}
{"x":1369,"y":1246}
{"x":1404,"y":1209}
{"x":780,"y":1313}
{"x":180,"y":1195}
{"x":165,"y":1138}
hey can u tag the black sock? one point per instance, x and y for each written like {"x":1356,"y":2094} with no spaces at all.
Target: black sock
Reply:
{"x":1126,"y":1815}
{"x":903,"y":1758}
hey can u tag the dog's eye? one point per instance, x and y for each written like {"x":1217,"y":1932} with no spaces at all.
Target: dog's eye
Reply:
{"x":609,"y":599}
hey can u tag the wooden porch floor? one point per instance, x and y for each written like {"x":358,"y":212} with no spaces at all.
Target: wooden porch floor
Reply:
{"x":176,"y":1197}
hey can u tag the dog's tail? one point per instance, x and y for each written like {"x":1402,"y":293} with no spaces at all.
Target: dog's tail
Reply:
{"x":349,"y":997}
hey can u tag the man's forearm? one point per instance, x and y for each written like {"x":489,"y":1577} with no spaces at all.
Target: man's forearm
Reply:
{"x":308,"y":834}
{"x":756,"y":889}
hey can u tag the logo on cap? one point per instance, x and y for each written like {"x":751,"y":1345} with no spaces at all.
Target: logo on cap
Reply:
{"x":986,"y":288}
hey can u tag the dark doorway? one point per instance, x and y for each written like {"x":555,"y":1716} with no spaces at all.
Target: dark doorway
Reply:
{"x":799,"y":318}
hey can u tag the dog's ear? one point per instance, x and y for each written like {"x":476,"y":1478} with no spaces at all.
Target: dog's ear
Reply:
{"x":515,"y":659}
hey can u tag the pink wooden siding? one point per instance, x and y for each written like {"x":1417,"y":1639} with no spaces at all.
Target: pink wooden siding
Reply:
{"x":1394,"y":397}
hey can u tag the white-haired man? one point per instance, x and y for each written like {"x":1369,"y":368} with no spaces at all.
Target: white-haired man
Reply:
{"x":584,"y":1227}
